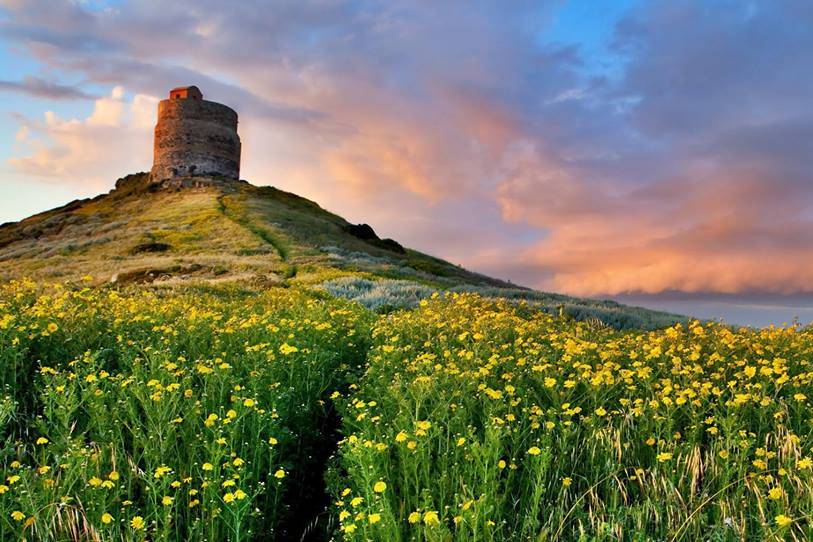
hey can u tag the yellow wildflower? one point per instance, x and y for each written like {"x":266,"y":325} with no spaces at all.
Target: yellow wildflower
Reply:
{"x":782,"y":520}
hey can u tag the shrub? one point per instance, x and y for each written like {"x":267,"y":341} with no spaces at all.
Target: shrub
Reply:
{"x":379,"y":295}
{"x":607,"y":311}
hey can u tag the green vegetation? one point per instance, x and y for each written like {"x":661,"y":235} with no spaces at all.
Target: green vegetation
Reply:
{"x":228,"y":362}
{"x":223,"y":412}
{"x":481,"y":420}
{"x":237,"y":213}
{"x":193,"y":415}
{"x":387,"y":294}
{"x":379,"y":295}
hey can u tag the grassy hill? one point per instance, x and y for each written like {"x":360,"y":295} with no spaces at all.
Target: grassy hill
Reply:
{"x":207,"y":360}
{"x":211,"y":228}
{"x":223,"y":231}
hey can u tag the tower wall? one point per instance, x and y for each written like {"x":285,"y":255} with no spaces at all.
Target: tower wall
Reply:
{"x":195,"y":137}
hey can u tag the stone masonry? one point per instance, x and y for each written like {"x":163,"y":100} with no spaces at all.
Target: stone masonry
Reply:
{"x":195,"y":137}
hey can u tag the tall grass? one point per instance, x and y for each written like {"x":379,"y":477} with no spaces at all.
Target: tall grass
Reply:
{"x":484,"y":421}
{"x":184,"y":415}
{"x":210,"y":413}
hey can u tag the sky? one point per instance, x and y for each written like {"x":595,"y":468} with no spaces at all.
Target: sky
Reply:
{"x":656,"y":152}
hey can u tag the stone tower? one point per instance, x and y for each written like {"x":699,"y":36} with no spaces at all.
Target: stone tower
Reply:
{"x":195,"y":137}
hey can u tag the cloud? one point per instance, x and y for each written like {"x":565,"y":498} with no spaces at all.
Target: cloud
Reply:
{"x":59,"y":150}
{"x":739,"y":224}
{"x":697,"y":69}
{"x":720,"y":100}
{"x":41,"y":88}
{"x":461,"y":128}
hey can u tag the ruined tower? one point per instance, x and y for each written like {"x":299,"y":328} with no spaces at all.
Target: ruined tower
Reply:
{"x":195,"y":137}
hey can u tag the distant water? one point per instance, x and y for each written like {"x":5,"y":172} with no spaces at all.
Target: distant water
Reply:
{"x":757,"y":311}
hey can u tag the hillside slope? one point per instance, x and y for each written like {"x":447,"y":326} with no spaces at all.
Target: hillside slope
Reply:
{"x":220,"y":230}
{"x":206,"y":227}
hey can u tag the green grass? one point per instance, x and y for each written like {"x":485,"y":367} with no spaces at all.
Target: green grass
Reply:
{"x":482,"y":421}
{"x":228,"y":412}
{"x":209,"y":408}
{"x":236,"y":212}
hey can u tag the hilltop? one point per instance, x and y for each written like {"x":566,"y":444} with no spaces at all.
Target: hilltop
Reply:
{"x":219,"y":230}
{"x":206,"y":228}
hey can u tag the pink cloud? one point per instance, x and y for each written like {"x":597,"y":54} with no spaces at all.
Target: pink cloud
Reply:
{"x":88,"y":151}
{"x":729,"y":232}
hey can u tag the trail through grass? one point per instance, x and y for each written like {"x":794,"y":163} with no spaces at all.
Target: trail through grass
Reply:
{"x":233,"y":212}
{"x":175,"y":415}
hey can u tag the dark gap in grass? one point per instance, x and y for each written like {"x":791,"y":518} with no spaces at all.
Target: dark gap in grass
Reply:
{"x":310,"y":519}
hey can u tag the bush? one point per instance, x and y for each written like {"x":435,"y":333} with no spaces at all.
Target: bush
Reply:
{"x":379,"y":295}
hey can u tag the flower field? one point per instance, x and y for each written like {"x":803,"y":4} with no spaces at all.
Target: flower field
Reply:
{"x":212,"y":413}
{"x":194,"y":416}
{"x":481,"y":421}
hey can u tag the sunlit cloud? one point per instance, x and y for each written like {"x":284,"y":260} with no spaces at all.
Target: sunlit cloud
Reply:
{"x":89,"y":151}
